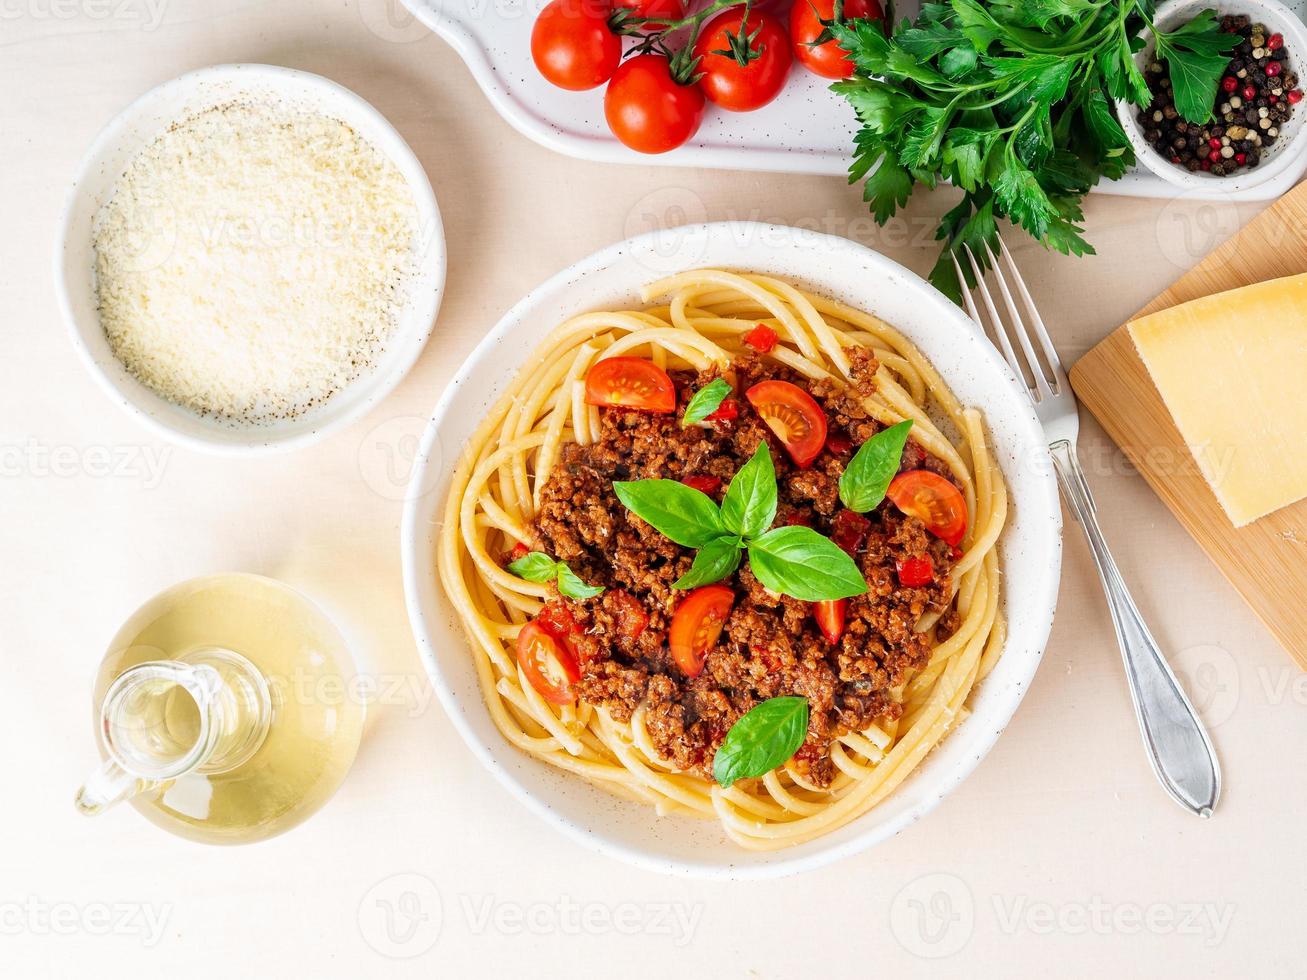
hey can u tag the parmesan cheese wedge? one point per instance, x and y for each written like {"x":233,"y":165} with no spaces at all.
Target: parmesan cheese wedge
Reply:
{"x":1232,"y":370}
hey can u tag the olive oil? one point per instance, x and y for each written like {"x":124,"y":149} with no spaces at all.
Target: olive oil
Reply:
{"x":220,"y":711}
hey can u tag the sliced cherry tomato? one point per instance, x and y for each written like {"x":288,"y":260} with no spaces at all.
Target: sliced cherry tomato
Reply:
{"x":556,"y":619}
{"x":915,"y":572}
{"x":793,"y":416}
{"x":631,"y":616}
{"x":573,"y":46}
{"x":696,"y":625}
{"x":630,"y":382}
{"x":849,"y":530}
{"x":744,"y":56}
{"x":727,"y":411}
{"x":548,"y":664}
{"x":762,"y":338}
{"x":839,"y":444}
{"x":661,"y":10}
{"x":647,"y":109}
{"x":828,"y":59}
{"x":829,"y":614}
{"x":933,"y":500}
{"x":704,"y":484}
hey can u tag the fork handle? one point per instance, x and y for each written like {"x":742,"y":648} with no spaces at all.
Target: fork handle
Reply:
{"x":1178,"y":746}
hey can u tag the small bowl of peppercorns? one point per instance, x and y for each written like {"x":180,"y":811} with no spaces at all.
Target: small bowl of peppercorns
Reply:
{"x":1254,"y":134}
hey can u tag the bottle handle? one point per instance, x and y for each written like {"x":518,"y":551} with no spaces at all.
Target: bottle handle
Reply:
{"x":107,"y":786}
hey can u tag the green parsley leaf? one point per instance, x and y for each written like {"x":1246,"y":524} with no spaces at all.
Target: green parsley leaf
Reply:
{"x":865,"y":480}
{"x":706,"y":401}
{"x":687,"y":516}
{"x":799,"y":562}
{"x":766,"y":737}
{"x":713,"y":562}
{"x":1196,"y":57}
{"x":749,"y":506}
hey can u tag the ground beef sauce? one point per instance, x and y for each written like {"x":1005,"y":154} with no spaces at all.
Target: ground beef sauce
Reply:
{"x":771,"y":645}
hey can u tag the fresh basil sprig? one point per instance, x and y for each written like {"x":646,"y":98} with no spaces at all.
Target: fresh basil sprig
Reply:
{"x":706,"y":400}
{"x":796,"y":561}
{"x":869,"y":473}
{"x":766,"y":737}
{"x":539,"y":567}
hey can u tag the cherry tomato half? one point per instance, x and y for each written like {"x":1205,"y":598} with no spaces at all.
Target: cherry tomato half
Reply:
{"x":548,"y":664}
{"x":647,"y":109}
{"x":761,"y":338}
{"x":828,"y":60}
{"x":933,"y":500}
{"x":829,"y":614}
{"x":743,"y":87}
{"x":630,"y":382}
{"x":793,"y":416}
{"x":572,"y":45}
{"x":696,"y":625}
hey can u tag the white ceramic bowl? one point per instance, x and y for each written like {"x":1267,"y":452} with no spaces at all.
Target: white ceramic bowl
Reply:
{"x":1030,"y":546}
{"x":1287,"y":154}
{"x":131,"y":132}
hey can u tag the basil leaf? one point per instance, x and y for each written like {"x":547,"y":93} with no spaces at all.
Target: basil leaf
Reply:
{"x":685,"y":515}
{"x":800,"y":563}
{"x":714,"y":562}
{"x":535,"y":567}
{"x":865,"y":480}
{"x":705,"y":401}
{"x":749,"y":506}
{"x":766,"y":737}
{"x":570,"y":584}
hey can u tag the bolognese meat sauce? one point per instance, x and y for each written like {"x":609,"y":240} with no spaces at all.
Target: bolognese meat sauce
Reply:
{"x":771,"y":644}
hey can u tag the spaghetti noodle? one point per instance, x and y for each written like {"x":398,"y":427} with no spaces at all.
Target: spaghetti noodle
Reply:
{"x":497,"y":489}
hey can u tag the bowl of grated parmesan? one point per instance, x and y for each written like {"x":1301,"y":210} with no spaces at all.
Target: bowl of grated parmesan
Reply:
{"x":252,"y":257}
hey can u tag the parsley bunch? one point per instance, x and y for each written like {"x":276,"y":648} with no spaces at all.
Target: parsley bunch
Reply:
{"x":1010,"y":100}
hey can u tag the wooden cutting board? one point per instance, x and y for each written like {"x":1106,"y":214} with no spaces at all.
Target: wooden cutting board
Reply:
{"x":1267,"y":560}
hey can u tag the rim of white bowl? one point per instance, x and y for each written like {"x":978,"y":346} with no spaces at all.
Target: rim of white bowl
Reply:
{"x":419,"y":572}
{"x":1274,"y":14}
{"x":260,"y":441}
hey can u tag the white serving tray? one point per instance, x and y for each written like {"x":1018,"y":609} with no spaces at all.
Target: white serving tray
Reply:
{"x":807,"y":130}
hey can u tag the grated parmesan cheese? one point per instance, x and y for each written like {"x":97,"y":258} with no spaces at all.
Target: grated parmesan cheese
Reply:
{"x":252,"y":261}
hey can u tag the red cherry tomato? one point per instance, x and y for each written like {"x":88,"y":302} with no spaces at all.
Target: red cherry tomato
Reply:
{"x":727,"y":411}
{"x":828,"y":60}
{"x":849,"y":530}
{"x":631,"y":616}
{"x":743,"y":87}
{"x":915,"y":572}
{"x":630,"y":382}
{"x":933,"y":500}
{"x":572,"y":45}
{"x":647,"y":109}
{"x":696,"y":625}
{"x":662,"y":10}
{"x":704,"y":484}
{"x":556,"y":619}
{"x":548,"y":664}
{"x":793,"y":416}
{"x":829,"y":614}
{"x":761,"y":338}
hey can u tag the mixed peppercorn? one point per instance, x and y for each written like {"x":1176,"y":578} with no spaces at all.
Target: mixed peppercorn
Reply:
{"x":1256,"y":97}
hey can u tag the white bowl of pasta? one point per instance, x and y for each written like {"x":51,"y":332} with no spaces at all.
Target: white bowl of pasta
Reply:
{"x":622,"y":769}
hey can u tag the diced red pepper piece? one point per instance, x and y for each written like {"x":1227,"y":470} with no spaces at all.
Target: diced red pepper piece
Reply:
{"x":704,"y":484}
{"x":727,"y":411}
{"x":519,"y":551}
{"x":631,"y":616}
{"x":915,"y":572}
{"x":849,"y":530}
{"x":762,"y":338}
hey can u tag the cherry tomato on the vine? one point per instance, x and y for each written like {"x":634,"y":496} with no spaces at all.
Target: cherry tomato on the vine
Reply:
{"x":647,"y":109}
{"x":744,"y":56}
{"x":828,"y":60}
{"x":662,"y":10}
{"x":573,"y":46}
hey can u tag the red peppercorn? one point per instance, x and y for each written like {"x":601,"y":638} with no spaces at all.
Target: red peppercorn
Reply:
{"x":1295,"y":96}
{"x":1249,"y":92}
{"x":1214,"y":156}
{"x":1207,"y":164}
{"x":1214,"y":143}
{"x":1229,"y":83}
{"x":1241,"y":158}
{"x":1272,"y":99}
{"x":1275,"y":42}
{"x":1273,"y":68}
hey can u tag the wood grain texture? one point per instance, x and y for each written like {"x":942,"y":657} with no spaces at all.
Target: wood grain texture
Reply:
{"x":1267,"y":560}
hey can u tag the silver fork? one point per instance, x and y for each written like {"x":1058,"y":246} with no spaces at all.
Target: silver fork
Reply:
{"x":1178,"y":746}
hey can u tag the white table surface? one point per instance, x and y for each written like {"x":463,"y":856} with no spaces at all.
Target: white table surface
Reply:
{"x":1060,"y":856}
